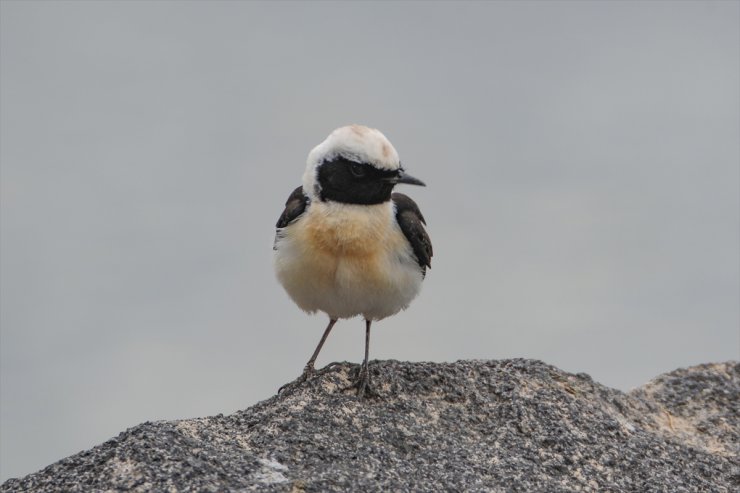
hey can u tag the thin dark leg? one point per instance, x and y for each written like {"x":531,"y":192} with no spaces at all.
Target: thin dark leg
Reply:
{"x":363,"y":383}
{"x":309,"y":368}
{"x":367,"y":343}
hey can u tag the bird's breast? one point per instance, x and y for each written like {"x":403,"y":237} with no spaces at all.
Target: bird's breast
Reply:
{"x":342,"y":244}
{"x":346,"y":260}
{"x":356,"y":231}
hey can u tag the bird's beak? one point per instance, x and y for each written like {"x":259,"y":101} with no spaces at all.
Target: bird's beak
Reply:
{"x":402,"y":177}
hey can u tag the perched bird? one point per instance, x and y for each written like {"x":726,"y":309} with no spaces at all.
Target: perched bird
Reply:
{"x":346,"y":245}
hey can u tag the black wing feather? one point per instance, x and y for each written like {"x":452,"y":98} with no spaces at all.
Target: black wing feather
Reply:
{"x":294,"y":207}
{"x":412,"y":223}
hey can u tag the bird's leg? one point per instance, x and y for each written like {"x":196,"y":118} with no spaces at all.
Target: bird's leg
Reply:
{"x":363,"y":381}
{"x":309,"y":369}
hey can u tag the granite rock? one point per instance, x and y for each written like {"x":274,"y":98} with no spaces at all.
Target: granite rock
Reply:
{"x":514,"y":425}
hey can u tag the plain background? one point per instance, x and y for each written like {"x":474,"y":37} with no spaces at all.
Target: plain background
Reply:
{"x":582,"y":168}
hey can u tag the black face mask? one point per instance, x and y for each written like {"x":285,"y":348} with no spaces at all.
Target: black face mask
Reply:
{"x":349,"y":182}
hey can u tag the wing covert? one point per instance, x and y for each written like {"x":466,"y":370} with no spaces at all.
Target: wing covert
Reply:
{"x":294,"y":207}
{"x":411,"y":221}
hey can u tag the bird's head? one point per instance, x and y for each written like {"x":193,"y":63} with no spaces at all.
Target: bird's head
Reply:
{"x":354,"y":165}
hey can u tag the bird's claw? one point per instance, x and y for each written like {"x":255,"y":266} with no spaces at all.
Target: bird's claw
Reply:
{"x":308,"y":372}
{"x":362,"y":384}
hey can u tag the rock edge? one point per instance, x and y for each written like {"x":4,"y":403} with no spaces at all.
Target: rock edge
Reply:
{"x":510,"y":425}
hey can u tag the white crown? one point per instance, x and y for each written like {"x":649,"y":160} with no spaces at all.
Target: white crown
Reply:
{"x":355,"y":143}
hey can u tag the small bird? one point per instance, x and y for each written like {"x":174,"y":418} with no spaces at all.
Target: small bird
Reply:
{"x":346,"y":245}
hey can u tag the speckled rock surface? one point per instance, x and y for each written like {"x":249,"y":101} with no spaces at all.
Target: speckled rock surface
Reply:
{"x":514,"y":425}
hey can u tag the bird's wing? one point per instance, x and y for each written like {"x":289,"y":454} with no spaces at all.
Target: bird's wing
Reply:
{"x":294,"y":207}
{"x":412,"y":223}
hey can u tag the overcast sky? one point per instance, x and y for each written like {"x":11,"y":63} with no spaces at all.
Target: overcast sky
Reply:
{"x":582,"y":163}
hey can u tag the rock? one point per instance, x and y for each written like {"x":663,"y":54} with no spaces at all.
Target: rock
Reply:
{"x":514,"y":425}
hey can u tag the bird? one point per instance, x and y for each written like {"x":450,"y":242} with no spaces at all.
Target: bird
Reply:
{"x":346,"y":244}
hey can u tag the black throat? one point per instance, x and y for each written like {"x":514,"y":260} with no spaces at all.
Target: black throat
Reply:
{"x":349,"y":182}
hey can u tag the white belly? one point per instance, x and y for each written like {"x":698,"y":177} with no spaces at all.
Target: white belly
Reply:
{"x":347,"y":260}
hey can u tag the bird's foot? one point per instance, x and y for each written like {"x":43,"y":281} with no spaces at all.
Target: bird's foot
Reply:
{"x":362,"y":384}
{"x":308,"y":372}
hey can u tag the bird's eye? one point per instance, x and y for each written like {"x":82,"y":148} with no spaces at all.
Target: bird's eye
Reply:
{"x":357,"y":170}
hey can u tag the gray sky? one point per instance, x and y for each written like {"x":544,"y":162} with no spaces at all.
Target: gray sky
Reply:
{"x":582,"y":163}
